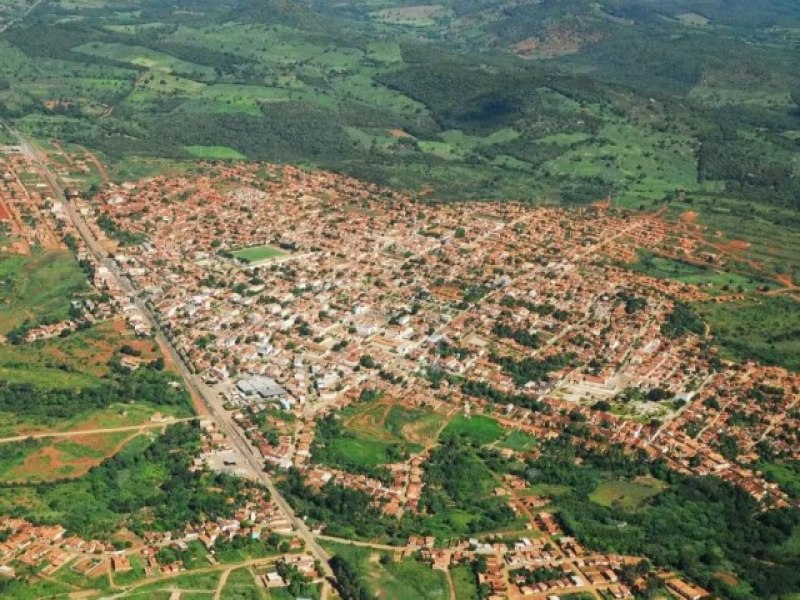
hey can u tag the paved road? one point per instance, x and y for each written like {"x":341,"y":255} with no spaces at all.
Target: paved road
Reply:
{"x":210,"y":399}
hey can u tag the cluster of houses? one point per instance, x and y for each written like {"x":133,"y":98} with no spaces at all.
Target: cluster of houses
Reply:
{"x":373,"y":288}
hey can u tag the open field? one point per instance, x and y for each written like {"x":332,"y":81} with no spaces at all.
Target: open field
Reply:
{"x":241,"y":585}
{"x":785,"y":474}
{"x":766,"y":329}
{"x":36,"y":286}
{"x":464,"y":583}
{"x":372,"y":434}
{"x":713,"y":281}
{"x":519,"y":441}
{"x":258,"y":254}
{"x":392,"y":423}
{"x":61,"y":458}
{"x":483,"y":430}
{"x":628,"y":495}
{"x":403,"y":580}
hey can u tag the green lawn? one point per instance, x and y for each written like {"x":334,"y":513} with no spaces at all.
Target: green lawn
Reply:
{"x":785,"y":474}
{"x":361,"y":450}
{"x":258,"y":254}
{"x":519,"y":441}
{"x":188,"y":581}
{"x":215,"y":152}
{"x":482,"y":430}
{"x":241,"y":585}
{"x":628,"y":495}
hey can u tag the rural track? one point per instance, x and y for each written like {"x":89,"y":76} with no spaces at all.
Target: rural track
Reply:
{"x":98,"y":431}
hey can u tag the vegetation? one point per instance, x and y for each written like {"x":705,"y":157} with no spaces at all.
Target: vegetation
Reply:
{"x":258,"y":254}
{"x":147,"y":486}
{"x":365,"y":577}
{"x":766,"y":329}
{"x":479,"y":429}
{"x":148,"y":384}
{"x":357,"y":451}
{"x":681,"y":321}
{"x":700,"y":525}
{"x":37,"y":288}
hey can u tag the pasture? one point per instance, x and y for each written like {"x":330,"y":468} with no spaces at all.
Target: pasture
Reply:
{"x":627,"y":494}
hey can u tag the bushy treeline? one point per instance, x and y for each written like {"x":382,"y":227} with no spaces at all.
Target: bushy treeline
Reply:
{"x":143,"y":488}
{"x":146,"y":384}
{"x":699,"y":525}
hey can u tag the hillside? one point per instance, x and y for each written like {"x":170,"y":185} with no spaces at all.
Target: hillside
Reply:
{"x":682,"y":102}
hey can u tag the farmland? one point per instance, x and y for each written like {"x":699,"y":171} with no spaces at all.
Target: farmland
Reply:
{"x":359,"y":90}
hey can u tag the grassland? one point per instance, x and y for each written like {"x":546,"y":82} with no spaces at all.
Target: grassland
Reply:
{"x":397,"y":580}
{"x":258,"y":254}
{"x":37,"y":286}
{"x":482,"y":430}
{"x":627,"y":495}
{"x":241,"y":585}
{"x":713,"y":281}
{"x":464,"y":583}
{"x":785,"y":474}
{"x":393,"y":423}
{"x":375,"y":434}
{"x":190,"y":581}
{"x":519,"y":441}
{"x":766,"y":329}
{"x":59,"y":458}
{"x":215,"y":152}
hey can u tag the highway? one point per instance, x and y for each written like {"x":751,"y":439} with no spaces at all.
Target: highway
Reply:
{"x":211,"y":400}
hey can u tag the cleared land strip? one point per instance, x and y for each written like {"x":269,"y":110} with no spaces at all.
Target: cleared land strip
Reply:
{"x":79,"y":432}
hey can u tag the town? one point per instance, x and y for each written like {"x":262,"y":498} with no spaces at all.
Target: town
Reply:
{"x":293,"y":295}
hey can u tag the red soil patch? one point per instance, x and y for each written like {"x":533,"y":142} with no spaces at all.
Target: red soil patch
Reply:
{"x":399,"y":133}
{"x":785,"y":279}
{"x":739,"y":245}
{"x":51,"y":463}
{"x":4,"y":214}
{"x":689,"y":216}
{"x":20,"y":247}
